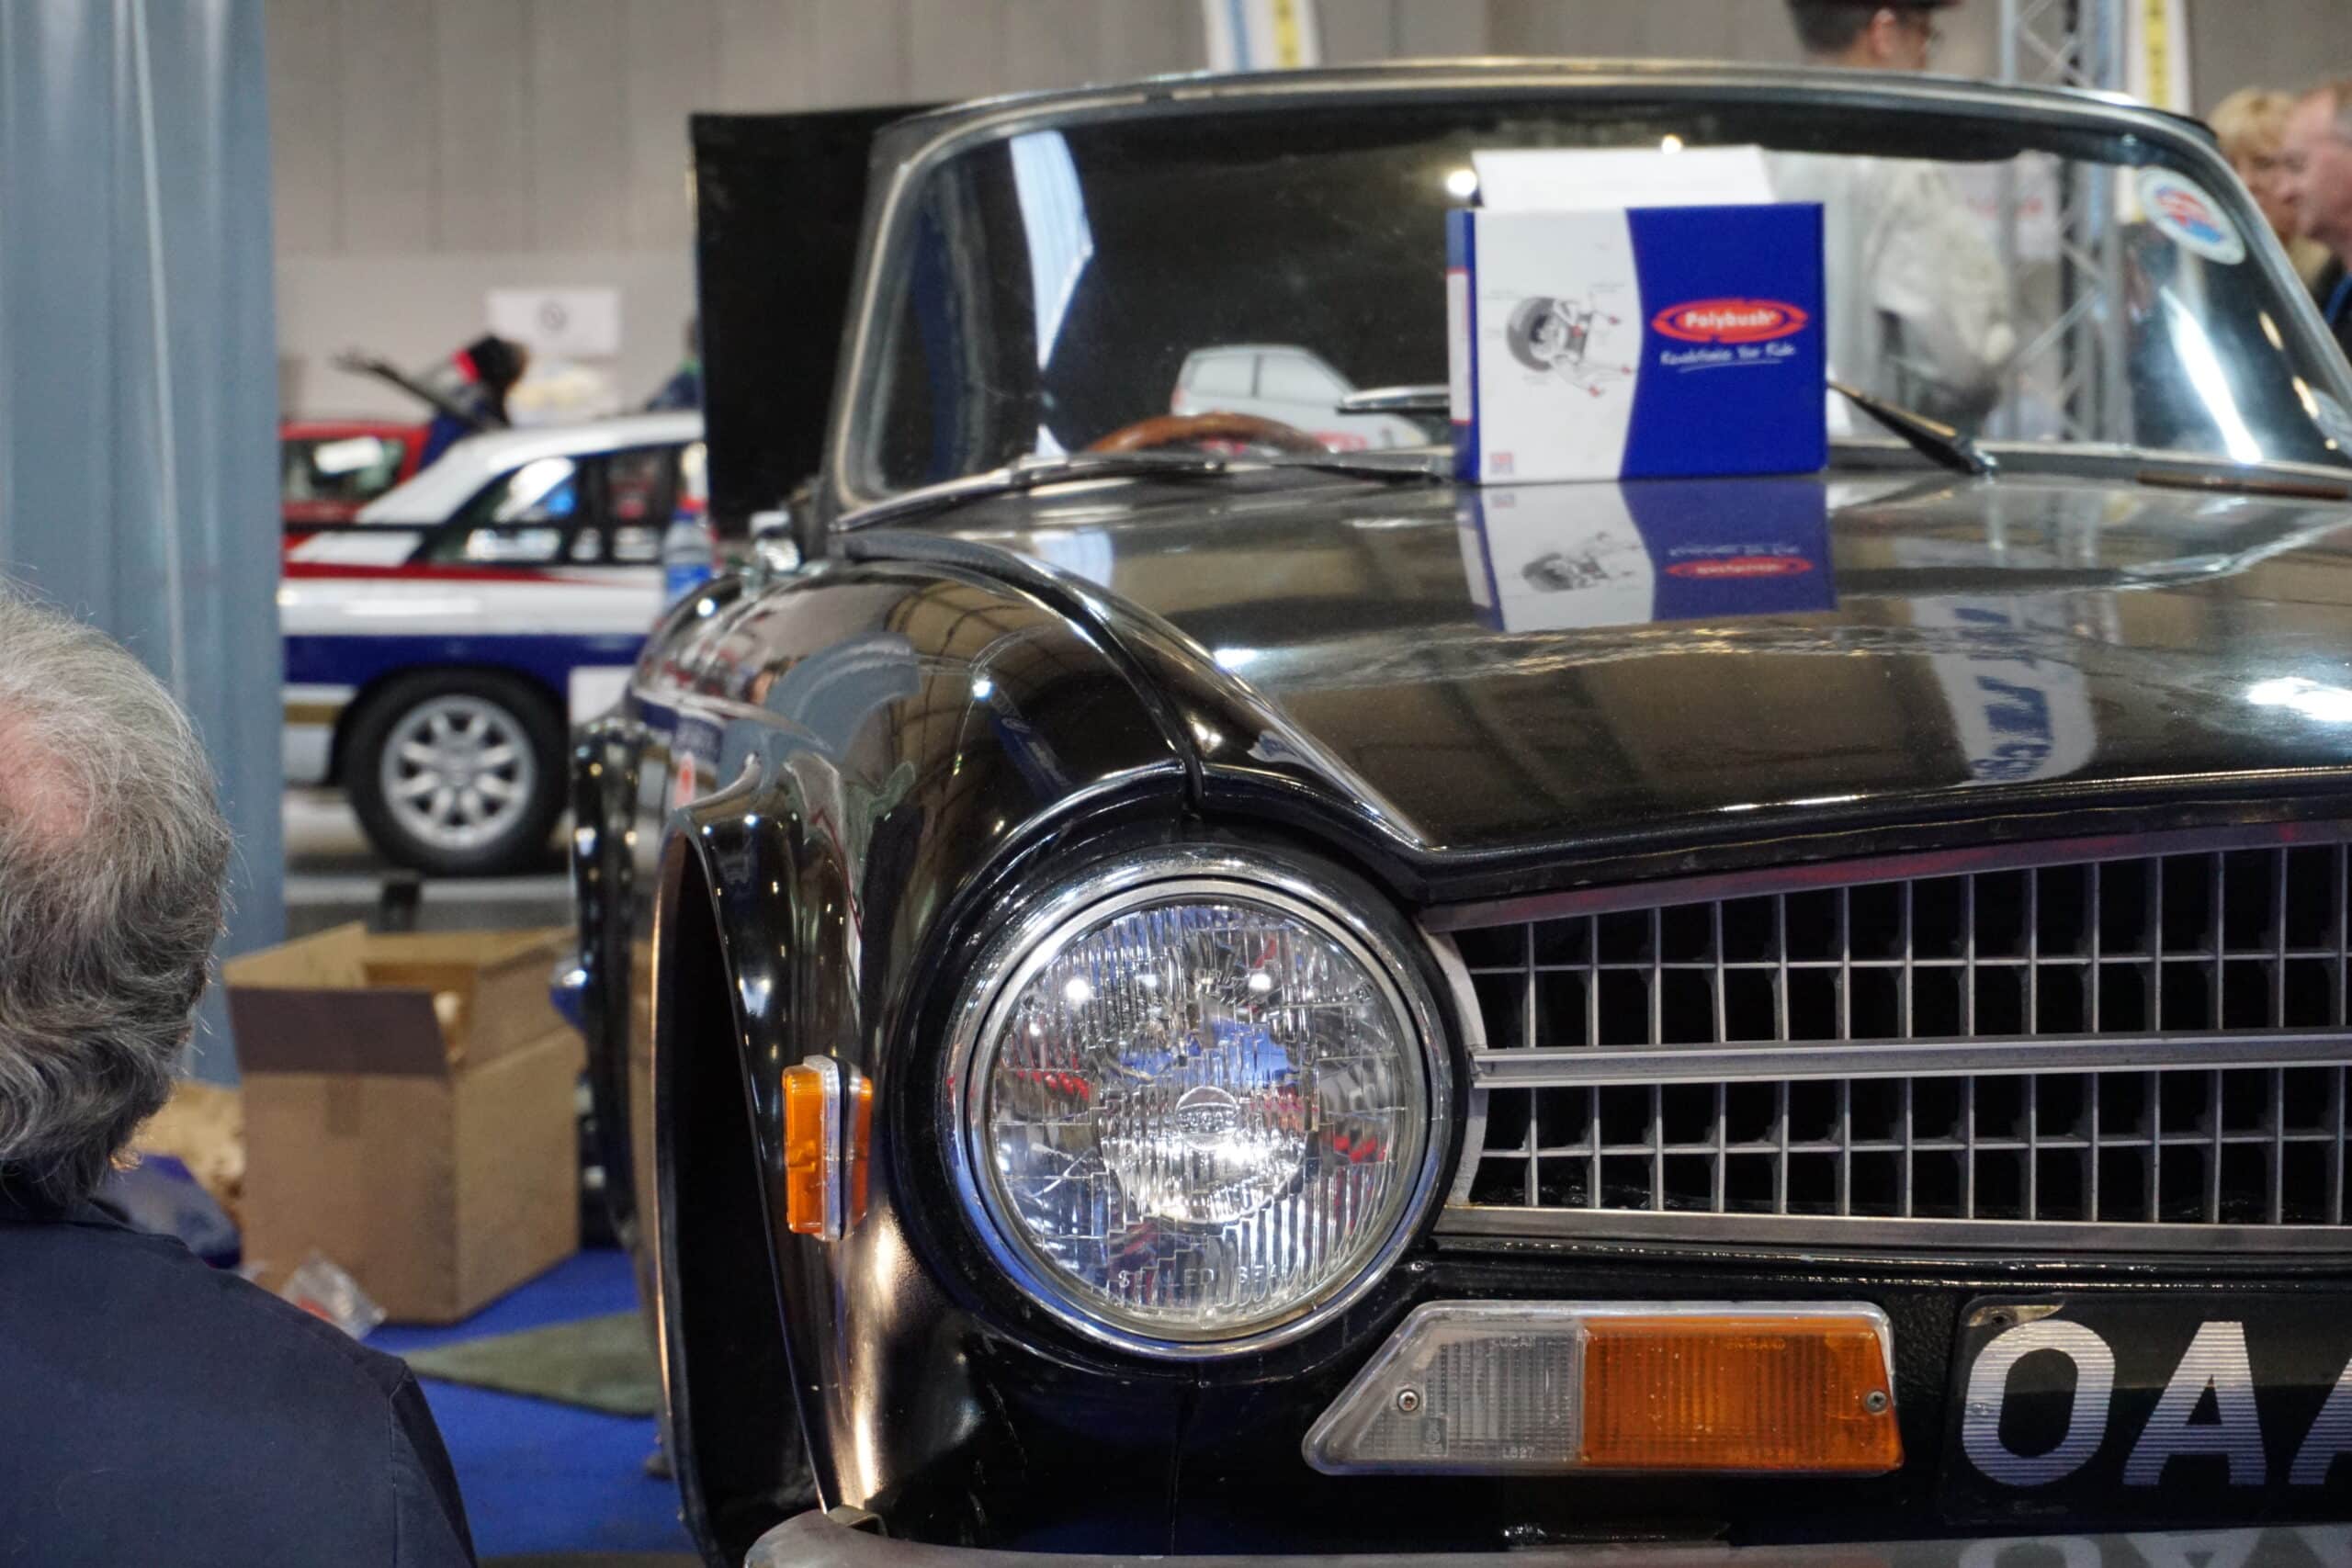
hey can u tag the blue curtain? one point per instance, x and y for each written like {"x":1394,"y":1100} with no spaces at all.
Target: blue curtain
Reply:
{"x":138,"y":375}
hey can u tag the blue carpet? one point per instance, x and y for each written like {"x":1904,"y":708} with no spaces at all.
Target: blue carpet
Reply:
{"x":541,"y":1477}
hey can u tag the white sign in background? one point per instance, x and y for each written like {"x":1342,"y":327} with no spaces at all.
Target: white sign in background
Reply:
{"x":1589,"y":179}
{"x":561,"y":323}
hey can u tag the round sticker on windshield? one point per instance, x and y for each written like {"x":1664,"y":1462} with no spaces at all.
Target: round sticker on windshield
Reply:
{"x":2181,"y":211}
{"x":2333,"y":421}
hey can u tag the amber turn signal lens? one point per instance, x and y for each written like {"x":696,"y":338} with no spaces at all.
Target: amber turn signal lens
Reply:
{"x":1738,"y":1393}
{"x":828,"y":1126}
{"x":806,"y":1122}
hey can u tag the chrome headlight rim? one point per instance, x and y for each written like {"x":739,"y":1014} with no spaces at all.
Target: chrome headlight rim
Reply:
{"x":1161,"y":876}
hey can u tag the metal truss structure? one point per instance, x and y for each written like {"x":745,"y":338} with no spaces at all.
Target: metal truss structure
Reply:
{"x":2073,"y":370}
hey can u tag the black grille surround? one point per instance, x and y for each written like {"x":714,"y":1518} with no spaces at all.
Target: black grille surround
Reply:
{"x":2136,"y":1045}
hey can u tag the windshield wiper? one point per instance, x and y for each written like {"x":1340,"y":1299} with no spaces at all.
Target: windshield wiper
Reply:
{"x":1395,"y":466}
{"x":1028,"y":474}
{"x":1930,"y":438}
{"x":1401,"y":466}
{"x":1034,"y":472}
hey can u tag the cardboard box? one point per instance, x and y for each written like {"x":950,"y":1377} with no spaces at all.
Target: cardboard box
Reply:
{"x":1654,"y":343}
{"x":203,"y":1127}
{"x":411,"y":1113}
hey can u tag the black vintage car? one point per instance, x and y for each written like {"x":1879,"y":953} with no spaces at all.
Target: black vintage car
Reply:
{"x":1198,"y":988}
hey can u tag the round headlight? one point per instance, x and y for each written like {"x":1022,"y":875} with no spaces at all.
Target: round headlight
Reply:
{"x":1195,"y":1107}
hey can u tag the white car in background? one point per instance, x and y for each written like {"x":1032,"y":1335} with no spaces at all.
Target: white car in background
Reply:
{"x":1288,"y":384}
{"x":438,"y":648}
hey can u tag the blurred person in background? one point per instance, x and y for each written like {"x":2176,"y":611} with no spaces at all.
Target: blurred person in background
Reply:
{"x":158,"y":1410}
{"x":2318,"y":161}
{"x":1918,"y":305}
{"x":472,"y":383}
{"x":684,"y":389}
{"x":1868,"y":35}
{"x":2251,"y":124}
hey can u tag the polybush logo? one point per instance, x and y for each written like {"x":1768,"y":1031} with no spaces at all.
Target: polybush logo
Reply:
{"x":1730,"y":320}
{"x":1742,"y":566}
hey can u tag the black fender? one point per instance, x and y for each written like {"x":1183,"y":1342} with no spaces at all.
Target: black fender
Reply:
{"x":604,"y":897}
{"x":883,"y":737}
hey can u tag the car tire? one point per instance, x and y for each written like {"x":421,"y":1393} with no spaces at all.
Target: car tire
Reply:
{"x":456,"y":775}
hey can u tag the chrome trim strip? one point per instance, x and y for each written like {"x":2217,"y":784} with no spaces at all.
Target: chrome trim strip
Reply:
{"x":1473,"y":1025}
{"x":1619,"y":897}
{"x":1409,"y":398}
{"x":1932,"y":1236}
{"x":1020,"y":477}
{"x":1576,"y":1066}
{"x":823,"y":1538}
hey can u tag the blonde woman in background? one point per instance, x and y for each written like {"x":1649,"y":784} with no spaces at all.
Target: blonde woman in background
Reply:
{"x":2252,"y":124}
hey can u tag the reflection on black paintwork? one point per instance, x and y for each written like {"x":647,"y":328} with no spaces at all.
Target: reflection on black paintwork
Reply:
{"x":2021,"y":707}
{"x":1308,"y":639}
{"x":1497,"y":683}
{"x":1554,"y":557}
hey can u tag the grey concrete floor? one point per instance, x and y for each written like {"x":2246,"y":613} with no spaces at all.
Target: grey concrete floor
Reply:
{"x":332,"y":878}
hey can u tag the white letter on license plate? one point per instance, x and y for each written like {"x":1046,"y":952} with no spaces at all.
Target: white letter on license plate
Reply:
{"x":2215,"y":1359}
{"x":2329,"y":1435}
{"x":1988,"y":1381}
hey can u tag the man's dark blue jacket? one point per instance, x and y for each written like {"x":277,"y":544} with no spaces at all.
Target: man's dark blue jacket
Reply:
{"x":155,"y":1410}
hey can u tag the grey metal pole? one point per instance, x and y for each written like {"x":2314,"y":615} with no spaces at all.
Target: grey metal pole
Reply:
{"x":2006,"y":424}
{"x":2103,"y":25}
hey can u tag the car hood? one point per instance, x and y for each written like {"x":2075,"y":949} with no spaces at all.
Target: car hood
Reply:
{"x":1491,"y":669}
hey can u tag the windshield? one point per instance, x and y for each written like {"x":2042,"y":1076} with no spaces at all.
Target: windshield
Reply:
{"x":339,"y":469}
{"x":1048,"y":290}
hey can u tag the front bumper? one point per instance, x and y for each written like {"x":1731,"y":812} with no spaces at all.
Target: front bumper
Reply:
{"x":817,"y":1540}
{"x":312,"y":712}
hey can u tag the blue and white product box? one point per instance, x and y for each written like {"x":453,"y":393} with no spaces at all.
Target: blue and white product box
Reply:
{"x":1557,"y":558}
{"x":1652,"y":342}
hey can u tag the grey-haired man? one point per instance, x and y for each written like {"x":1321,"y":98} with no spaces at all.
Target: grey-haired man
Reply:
{"x":158,"y":1411}
{"x":2318,"y":158}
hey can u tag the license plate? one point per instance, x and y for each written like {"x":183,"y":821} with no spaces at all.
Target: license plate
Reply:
{"x":2208,"y":1407}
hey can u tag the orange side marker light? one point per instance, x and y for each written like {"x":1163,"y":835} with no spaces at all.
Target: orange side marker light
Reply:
{"x":810,"y":1093}
{"x":828,"y":1130}
{"x":1737,"y":1393}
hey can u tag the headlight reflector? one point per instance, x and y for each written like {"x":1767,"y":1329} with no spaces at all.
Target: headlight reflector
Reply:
{"x":1198,"y":1109}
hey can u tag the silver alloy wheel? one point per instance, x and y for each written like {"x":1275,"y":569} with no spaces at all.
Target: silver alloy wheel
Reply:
{"x":457,"y":771}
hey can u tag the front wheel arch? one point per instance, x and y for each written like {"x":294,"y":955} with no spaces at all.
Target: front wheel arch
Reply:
{"x":735,"y":1419}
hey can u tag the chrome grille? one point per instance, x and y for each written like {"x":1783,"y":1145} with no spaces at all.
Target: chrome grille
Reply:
{"x":2120,"y":1040}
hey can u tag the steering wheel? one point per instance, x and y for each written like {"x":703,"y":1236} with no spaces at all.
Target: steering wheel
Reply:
{"x":1188,"y":429}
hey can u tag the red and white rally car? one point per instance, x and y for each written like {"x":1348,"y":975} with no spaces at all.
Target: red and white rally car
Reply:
{"x":328,"y":469}
{"x":437,"y":649}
